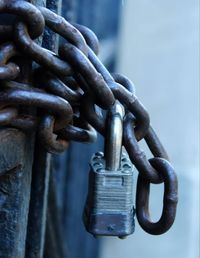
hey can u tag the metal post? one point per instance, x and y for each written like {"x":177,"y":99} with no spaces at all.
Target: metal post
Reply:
{"x":38,"y":215}
{"x":16,"y":151}
{"x":16,"y":157}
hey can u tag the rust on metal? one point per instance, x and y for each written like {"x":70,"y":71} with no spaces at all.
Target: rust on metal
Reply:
{"x":68,"y":90}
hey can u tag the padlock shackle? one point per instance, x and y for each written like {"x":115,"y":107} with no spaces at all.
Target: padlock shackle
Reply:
{"x":113,"y":139}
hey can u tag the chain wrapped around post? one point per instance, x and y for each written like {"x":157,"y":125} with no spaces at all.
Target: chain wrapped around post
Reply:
{"x":68,"y":90}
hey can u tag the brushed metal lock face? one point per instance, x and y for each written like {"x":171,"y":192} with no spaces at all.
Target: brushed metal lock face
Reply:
{"x":109,"y":207}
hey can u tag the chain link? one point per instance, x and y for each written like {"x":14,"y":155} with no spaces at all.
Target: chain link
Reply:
{"x":68,"y":90}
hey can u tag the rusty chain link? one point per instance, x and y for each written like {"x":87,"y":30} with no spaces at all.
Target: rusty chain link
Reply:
{"x":68,"y":90}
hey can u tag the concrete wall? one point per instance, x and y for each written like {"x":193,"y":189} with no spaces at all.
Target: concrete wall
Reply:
{"x":159,"y":51}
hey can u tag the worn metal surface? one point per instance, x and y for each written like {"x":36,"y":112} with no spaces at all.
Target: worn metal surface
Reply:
{"x":48,"y":41}
{"x":96,"y":83}
{"x":169,"y":199}
{"x":38,"y":203}
{"x":88,"y":246}
{"x":39,"y":217}
{"x":16,"y":153}
{"x":77,"y":59}
{"x":16,"y":157}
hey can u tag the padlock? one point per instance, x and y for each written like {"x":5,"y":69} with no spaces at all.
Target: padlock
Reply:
{"x":109,"y":209}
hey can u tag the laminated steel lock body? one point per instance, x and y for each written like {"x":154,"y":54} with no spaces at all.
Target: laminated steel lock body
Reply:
{"x":109,"y":207}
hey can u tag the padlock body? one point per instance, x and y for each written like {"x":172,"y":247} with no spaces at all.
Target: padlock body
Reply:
{"x":109,"y":207}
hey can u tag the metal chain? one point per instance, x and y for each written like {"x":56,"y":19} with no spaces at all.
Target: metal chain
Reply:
{"x":69,"y":88}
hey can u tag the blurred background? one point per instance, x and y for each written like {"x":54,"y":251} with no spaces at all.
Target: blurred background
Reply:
{"x":158,"y":49}
{"x":156,"y":44}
